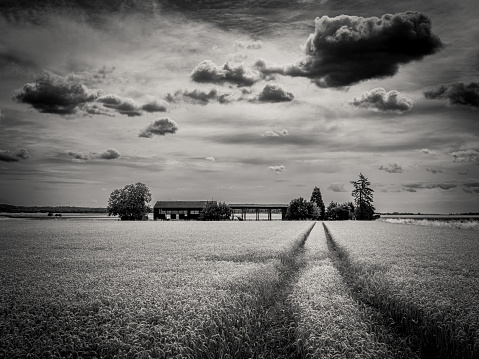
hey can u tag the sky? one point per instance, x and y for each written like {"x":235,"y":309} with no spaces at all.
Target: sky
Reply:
{"x":241,"y":101}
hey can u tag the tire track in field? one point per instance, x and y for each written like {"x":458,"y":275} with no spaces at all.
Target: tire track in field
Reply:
{"x":430,"y":338}
{"x":392,"y":329}
{"x":259,"y":320}
{"x":280,"y":325}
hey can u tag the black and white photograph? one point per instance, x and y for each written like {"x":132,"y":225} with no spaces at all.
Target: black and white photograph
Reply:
{"x":261,"y":179}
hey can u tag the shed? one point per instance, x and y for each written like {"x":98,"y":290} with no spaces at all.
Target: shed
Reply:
{"x":188,"y":210}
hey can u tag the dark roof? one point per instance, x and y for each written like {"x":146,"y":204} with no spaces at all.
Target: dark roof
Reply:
{"x":180,"y":204}
{"x":256,"y":205}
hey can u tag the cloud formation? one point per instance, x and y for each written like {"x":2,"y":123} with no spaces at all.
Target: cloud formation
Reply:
{"x":108,"y":154}
{"x":428,"y":152}
{"x":14,"y":155}
{"x":465,"y":156}
{"x":95,"y":109}
{"x":250,"y":45}
{"x":345,"y":50}
{"x":199,"y":97}
{"x":239,"y":74}
{"x":276,"y":133}
{"x":154,"y":106}
{"x":391,"y":168}
{"x":125,"y":106}
{"x":159,"y":127}
{"x":277,"y":169}
{"x":433,"y":170}
{"x":413,"y":187}
{"x":211,"y":159}
{"x":456,"y":94}
{"x":379,"y":99}
{"x":275,"y":93}
{"x":2,"y":116}
{"x":471,"y":186}
{"x":51,"y":93}
{"x":337,"y":187}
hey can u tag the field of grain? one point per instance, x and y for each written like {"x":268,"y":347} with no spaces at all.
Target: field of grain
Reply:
{"x":423,"y":277}
{"x":109,"y":289}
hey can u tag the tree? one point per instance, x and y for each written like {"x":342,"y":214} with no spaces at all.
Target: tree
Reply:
{"x":130,"y":203}
{"x":363,"y":198}
{"x":214,"y":211}
{"x":299,"y":209}
{"x":339,"y":211}
{"x":317,"y":198}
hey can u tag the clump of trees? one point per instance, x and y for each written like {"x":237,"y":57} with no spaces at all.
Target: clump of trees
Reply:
{"x":361,"y":209}
{"x":299,"y":210}
{"x":340,"y":211}
{"x":130,"y":203}
{"x":214,"y":211}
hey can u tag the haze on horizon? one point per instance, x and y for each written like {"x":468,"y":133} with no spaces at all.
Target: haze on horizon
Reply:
{"x":245,"y":101}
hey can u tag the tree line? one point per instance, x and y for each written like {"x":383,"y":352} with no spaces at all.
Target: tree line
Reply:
{"x":131,"y":203}
{"x":361,"y":208}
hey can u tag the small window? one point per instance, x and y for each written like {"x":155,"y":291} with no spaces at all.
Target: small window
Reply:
{"x":195,"y":212}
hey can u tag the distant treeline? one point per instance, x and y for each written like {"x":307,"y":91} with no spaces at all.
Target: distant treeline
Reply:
{"x":45,"y":209}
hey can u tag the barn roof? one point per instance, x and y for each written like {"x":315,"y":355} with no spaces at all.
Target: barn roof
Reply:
{"x":258,"y":205}
{"x":180,"y":204}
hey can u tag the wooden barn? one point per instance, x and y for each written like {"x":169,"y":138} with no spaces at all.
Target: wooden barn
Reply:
{"x":171,"y":210}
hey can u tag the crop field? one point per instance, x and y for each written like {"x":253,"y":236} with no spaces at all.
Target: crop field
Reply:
{"x":108,"y":289}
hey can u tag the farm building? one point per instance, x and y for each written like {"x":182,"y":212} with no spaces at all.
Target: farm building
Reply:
{"x":178,"y":209}
{"x":192,"y":210}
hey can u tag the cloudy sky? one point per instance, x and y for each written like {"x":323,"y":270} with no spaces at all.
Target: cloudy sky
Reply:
{"x":241,"y":101}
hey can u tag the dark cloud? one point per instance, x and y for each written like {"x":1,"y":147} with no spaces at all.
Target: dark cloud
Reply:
{"x":154,"y":106}
{"x":391,"y":168}
{"x":79,"y":157}
{"x":51,"y":93}
{"x":108,"y":154}
{"x":274,"y":93}
{"x":465,"y":156}
{"x":238,"y":74}
{"x":14,"y":155}
{"x":413,"y":187}
{"x":456,"y":94}
{"x":379,"y":100}
{"x":471,"y":186}
{"x":125,"y":106}
{"x":159,"y":127}
{"x":2,"y":116}
{"x":345,"y":50}
{"x":277,"y":169}
{"x":337,"y":187}
{"x":199,"y":97}
{"x":433,"y":170}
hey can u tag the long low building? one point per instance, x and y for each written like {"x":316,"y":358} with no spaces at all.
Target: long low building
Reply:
{"x":187,"y":210}
{"x":192,"y":210}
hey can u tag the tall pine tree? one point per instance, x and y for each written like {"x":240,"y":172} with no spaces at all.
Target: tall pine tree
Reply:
{"x":317,"y":198}
{"x":363,"y":198}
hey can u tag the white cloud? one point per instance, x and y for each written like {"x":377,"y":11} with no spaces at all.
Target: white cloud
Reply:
{"x":276,"y":133}
{"x":379,"y":100}
{"x":277,"y":169}
{"x":428,"y":152}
